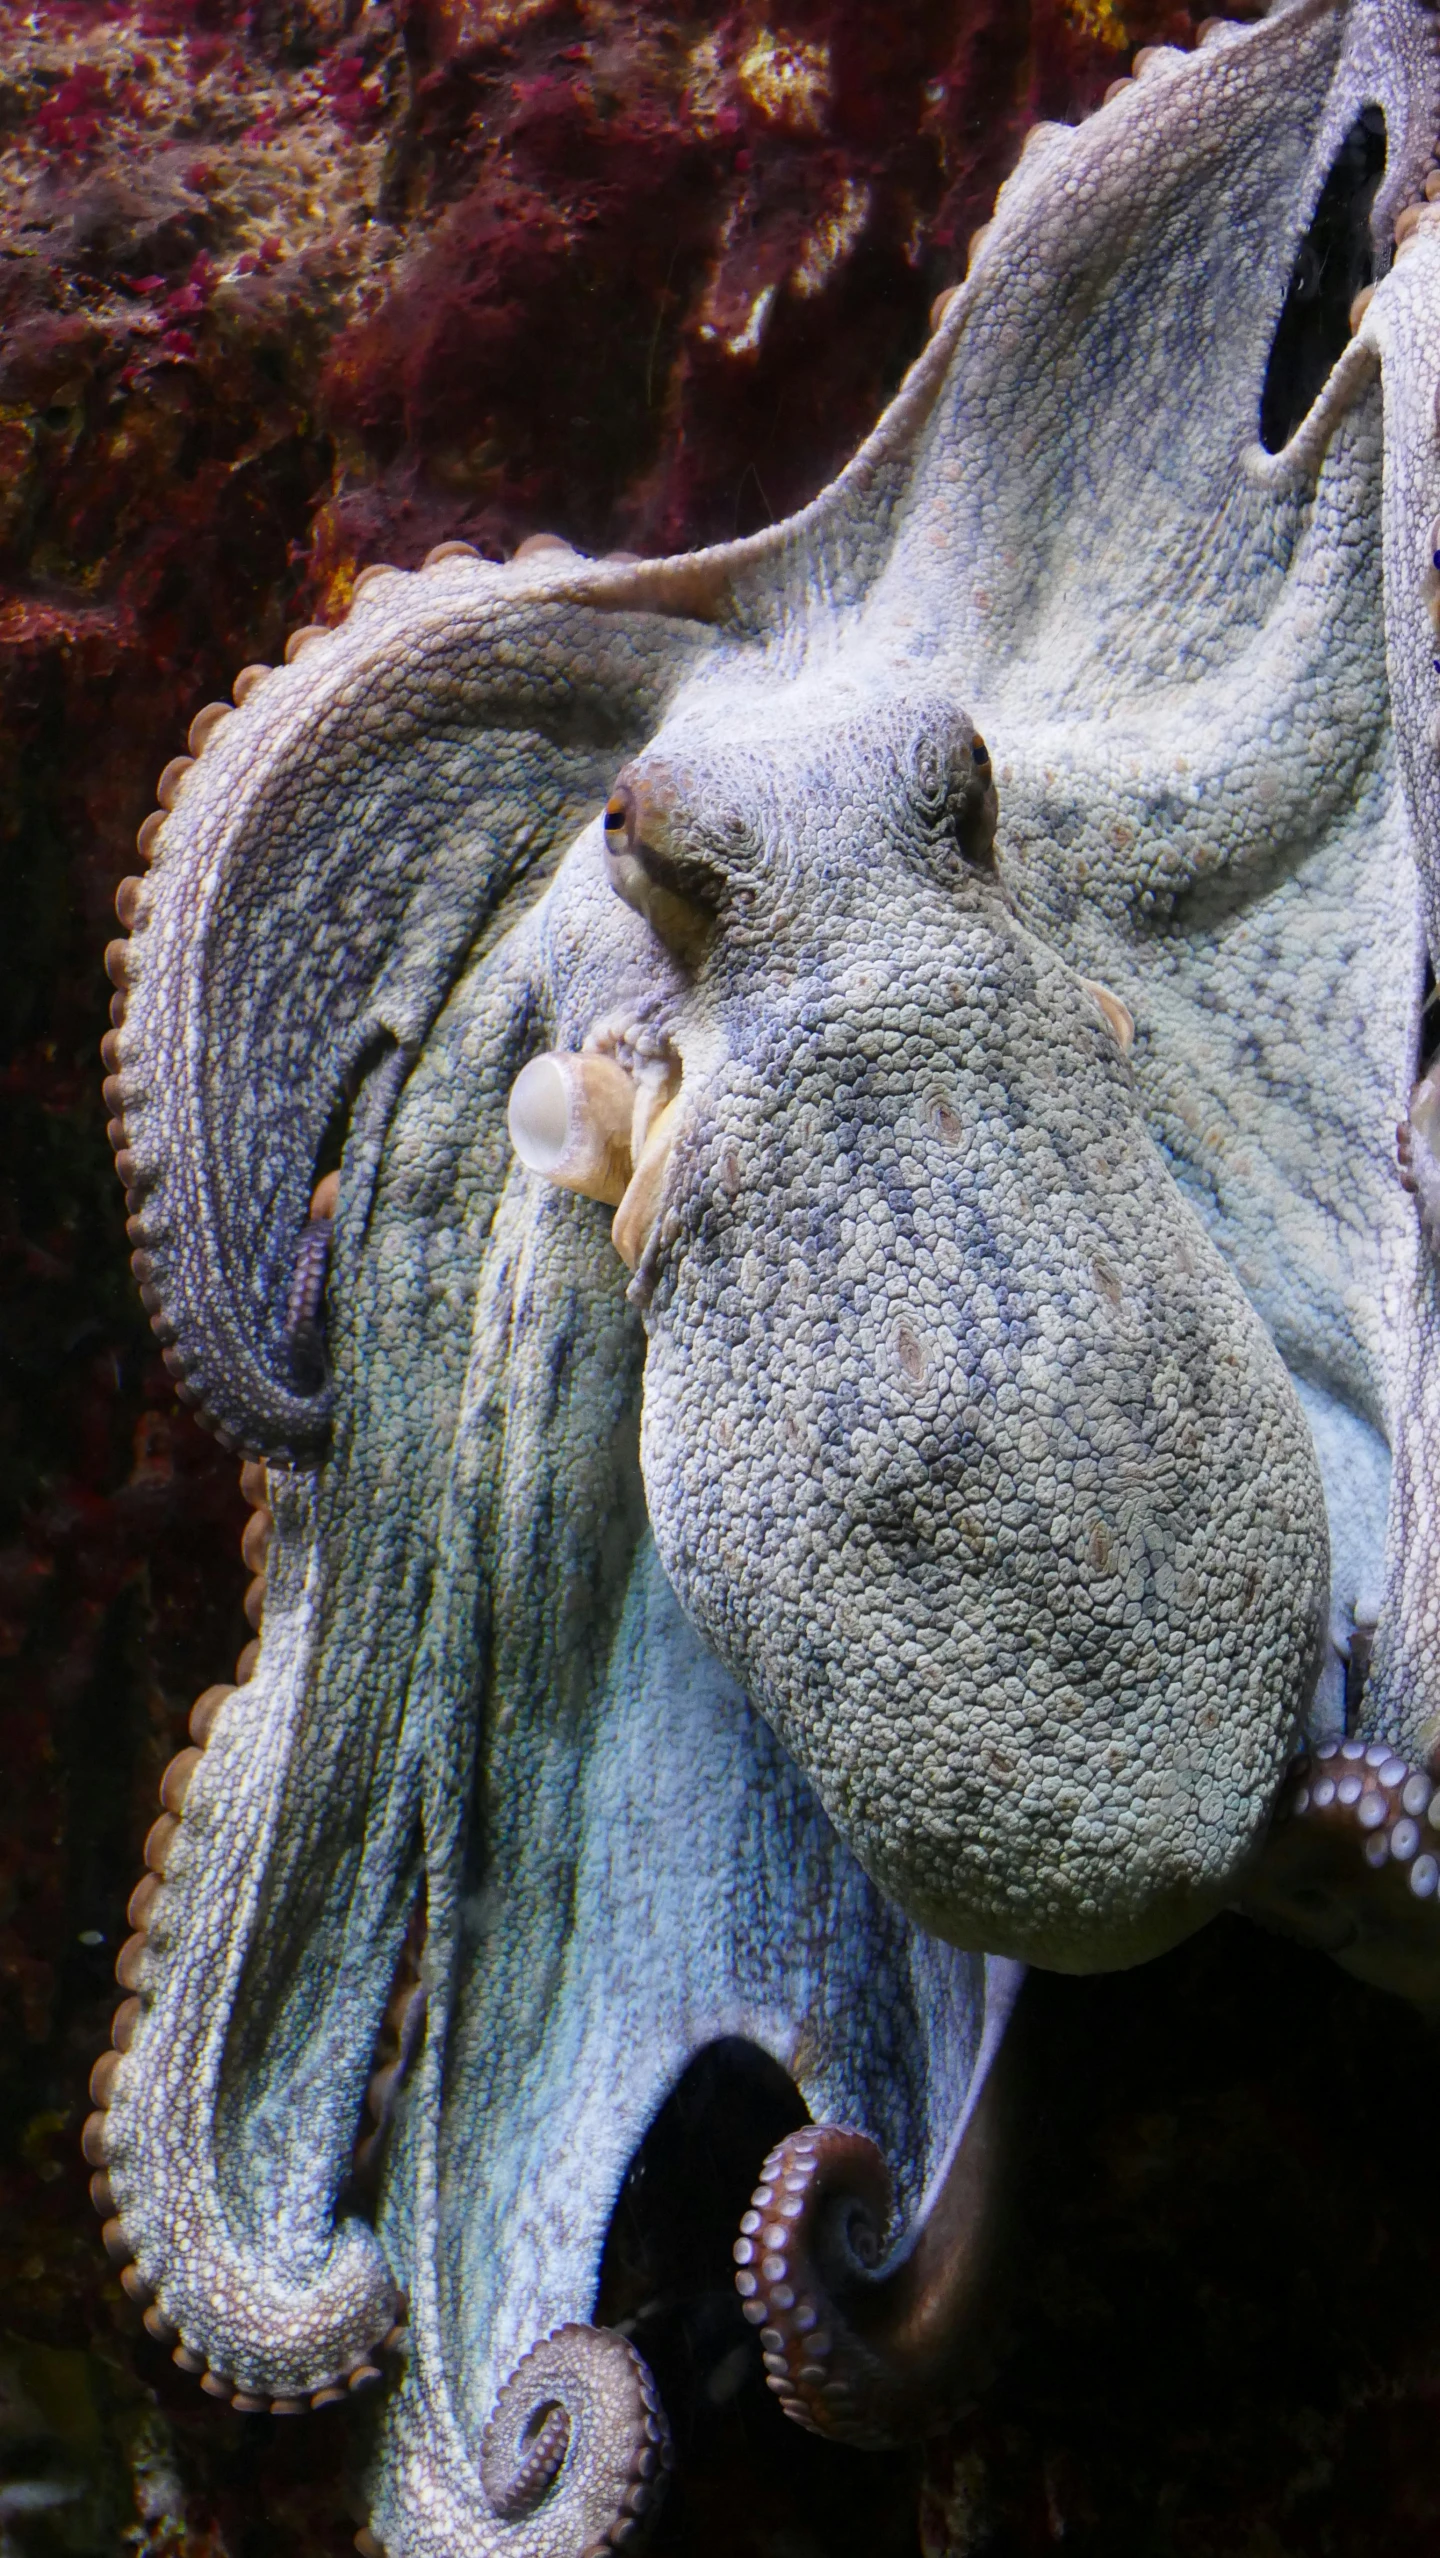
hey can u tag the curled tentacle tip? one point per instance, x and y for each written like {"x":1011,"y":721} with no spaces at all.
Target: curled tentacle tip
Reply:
{"x":815,"y":2230}
{"x":578,"y":2431}
{"x":865,"y":2336}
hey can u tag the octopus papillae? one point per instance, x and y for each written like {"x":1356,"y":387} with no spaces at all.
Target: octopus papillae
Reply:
{"x":783,"y":1165}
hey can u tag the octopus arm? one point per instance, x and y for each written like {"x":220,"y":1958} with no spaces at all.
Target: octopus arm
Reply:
{"x":317,"y":1825}
{"x":291,"y":924}
{"x":325,"y":866}
{"x":231,"y":2114}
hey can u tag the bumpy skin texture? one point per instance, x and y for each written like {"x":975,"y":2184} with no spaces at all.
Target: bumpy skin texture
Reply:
{"x":968,"y":1443}
{"x":962,"y":1446}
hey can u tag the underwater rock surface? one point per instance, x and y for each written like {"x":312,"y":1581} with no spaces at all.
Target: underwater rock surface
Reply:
{"x":284,"y":290}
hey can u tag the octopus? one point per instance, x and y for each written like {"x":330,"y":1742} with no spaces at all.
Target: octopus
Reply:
{"x":782,"y":1165}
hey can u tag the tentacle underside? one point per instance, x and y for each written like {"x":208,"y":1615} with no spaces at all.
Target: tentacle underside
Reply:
{"x":865,"y":2341}
{"x":230,"y":2109}
{"x":1352,"y":1866}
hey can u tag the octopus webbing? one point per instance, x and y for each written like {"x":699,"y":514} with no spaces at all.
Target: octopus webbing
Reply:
{"x":783,"y":1165}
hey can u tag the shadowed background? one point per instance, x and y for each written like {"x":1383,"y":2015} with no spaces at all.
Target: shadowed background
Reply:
{"x":284,"y":290}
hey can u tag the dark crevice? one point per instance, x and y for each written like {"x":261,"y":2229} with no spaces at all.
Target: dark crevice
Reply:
{"x":1428,"y":1039}
{"x":1357,"y":1671}
{"x":397,"y":2045}
{"x":329,"y":1153}
{"x":1334,"y":261}
{"x":305,"y":1301}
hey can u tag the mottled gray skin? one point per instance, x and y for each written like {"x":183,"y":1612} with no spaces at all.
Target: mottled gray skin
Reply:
{"x":962,"y":1446}
{"x":995,"y":1525}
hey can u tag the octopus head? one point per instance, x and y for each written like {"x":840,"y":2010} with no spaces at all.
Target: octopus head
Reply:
{"x":962,"y":1446}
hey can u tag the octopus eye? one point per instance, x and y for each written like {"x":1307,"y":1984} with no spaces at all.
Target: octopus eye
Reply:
{"x":648,"y":867}
{"x":952,"y":793}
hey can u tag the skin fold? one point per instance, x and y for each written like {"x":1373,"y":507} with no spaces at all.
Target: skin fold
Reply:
{"x":909,"y":1531}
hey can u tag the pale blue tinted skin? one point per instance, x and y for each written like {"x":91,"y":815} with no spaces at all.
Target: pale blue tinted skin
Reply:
{"x":931,"y":1552}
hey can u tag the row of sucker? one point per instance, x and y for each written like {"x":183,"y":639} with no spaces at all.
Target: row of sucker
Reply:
{"x":1352,"y":1864}
{"x":396,"y":2046}
{"x":365,"y":2372}
{"x":1391,"y":1806}
{"x":825,"y":2194}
